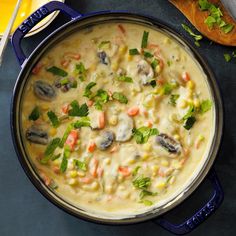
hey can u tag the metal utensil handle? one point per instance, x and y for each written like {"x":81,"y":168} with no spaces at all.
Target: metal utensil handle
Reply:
{"x":33,"y":20}
{"x":201,"y":215}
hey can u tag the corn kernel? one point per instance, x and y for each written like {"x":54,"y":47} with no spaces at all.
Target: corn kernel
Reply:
{"x":145,"y":156}
{"x":72,"y":182}
{"x":176,"y":164}
{"x":94,"y":186}
{"x":123,"y":49}
{"x":155,"y":168}
{"x":177,"y":137}
{"x":129,"y":57}
{"x":131,"y":161}
{"x":52,"y":132}
{"x":107,"y":161}
{"x":190,"y":84}
{"x":147,"y":147}
{"x":44,"y":117}
{"x":196,"y":103}
{"x":190,"y":101}
{"x":201,"y":137}
{"x":113,"y":120}
{"x":164,"y":163}
{"x":161,"y":185}
{"x":114,"y":66}
{"x":73,"y":173}
{"x":45,"y":106}
{"x":120,"y":178}
{"x":167,"y":41}
{"x":183,"y":104}
{"x":57,"y":162}
{"x":190,"y":93}
{"x":80,"y":173}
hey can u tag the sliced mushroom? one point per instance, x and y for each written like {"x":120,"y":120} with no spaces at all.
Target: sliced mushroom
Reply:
{"x":168,"y":143}
{"x":103,"y":58}
{"x":145,"y":72}
{"x":105,"y":140}
{"x":37,"y":135}
{"x":44,"y":91}
{"x":124,"y":128}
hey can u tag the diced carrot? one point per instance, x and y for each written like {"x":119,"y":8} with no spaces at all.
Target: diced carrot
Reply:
{"x":161,"y":173}
{"x":133,"y":111}
{"x":56,"y":169}
{"x":90,"y":103}
{"x":91,"y":147}
{"x":65,"y":63}
{"x":153,"y":46}
{"x":160,"y":81}
{"x":122,"y":29}
{"x":72,"y":55}
{"x":114,"y":149}
{"x":72,"y":139}
{"x":101,"y":120}
{"x":185,"y":76}
{"x":65,"y":108}
{"x":145,"y":112}
{"x":161,"y":63}
{"x":124,"y":170}
{"x":86,"y":180}
{"x":37,"y":68}
{"x":93,"y":167}
{"x":149,"y":124}
{"x":45,"y":178}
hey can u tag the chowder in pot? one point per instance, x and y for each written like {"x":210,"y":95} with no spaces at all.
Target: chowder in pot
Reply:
{"x":118,"y":119}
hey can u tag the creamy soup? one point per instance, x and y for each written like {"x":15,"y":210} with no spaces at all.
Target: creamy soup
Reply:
{"x":118,"y":119}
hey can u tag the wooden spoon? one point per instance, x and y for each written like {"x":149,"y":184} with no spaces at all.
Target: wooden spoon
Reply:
{"x":197,"y":17}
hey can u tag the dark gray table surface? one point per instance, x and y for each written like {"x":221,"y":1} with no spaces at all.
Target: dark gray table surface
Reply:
{"x":24,"y":211}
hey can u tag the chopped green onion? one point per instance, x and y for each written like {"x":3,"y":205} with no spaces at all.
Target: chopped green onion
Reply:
{"x":144,"y":39}
{"x":80,"y":165}
{"x":34,"y":115}
{"x":197,"y":37}
{"x":125,"y":79}
{"x":133,"y":51}
{"x":53,"y":118}
{"x":120,"y":97}
{"x":57,"y":71}
{"x":147,"y":54}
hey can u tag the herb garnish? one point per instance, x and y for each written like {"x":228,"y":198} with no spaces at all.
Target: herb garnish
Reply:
{"x":144,"y":39}
{"x":53,"y":118}
{"x":147,"y":54}
{"x":142,"y":134}
{"x":135,"y":171}
{"x":142,"y":182}
{"x":34,"y":115}
{"x":146,"y":202}
{"x":88,"y":92}
{"x":154,"y":63}
{"x":64,"y":161}
{"x":167,"y":88}
{"x":205,"y":106}
{"x":80,"y":165}
{"x":83,"y":122}
{"x":81,"y":71}
{"x":57,"y":71}
{"x":133,"y":51}
{"x":104,"y":45}
{"x":189,"y":122}
{"x":125,"y":79}
{"x":227,"y":57}
{"x":145,"y":193}
{"x":173,"y":99}
{"x":77,"y":110}
{"x":197,"y":37}
{"x":120,"y":97}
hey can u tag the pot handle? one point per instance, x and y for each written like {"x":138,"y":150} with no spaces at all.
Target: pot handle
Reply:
{"x":33,"y":20}
{"x":201,"y":215}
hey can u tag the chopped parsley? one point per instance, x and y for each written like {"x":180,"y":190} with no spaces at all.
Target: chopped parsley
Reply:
{"x":48,"y":154}
{"x":53,"y":118}
{"x":145,"y":193}
{"x":34,"y":115}
{"x":57,"y":71}
{"x":120,"y":97}
{"x":83,"y":122}
{"x":142,"y":134}
{"x":154,"y":63}
{"x":135,"y":171}
{"x":81,"y":71}
{"x":197,"y":37}
{"x":215,"y":16}
{"x":77,"y":110}
{"x":125,"y":79}
{"x":133,"y":51}
{"x":142,"y":182}
{"x":146,"y":202}
{"x":64,"y":161}
{"x":205,"y":106}
{"x":144,"y":39}
{"x":101,"y":98}
{"x":173,"y":99}
{"x":104,"y":45}
{"x":88,"y":93}
{"x":227,"y":57}
{"x":80,"y":165}
{"x":167,"y":88}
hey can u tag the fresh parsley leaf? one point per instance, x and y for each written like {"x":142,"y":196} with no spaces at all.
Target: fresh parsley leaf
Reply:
{"x":133,"y":51}
{"x":144,"y":39}
{"x":48,"y":154}
{"x":65,"y":135}
{"x":146,"y":202}
{"x":80,"y":165}
{"x":57,"y":71}
{"x":167,"y":88}
{"x":142,"y":134}
{"x":98,"y":105}
{"x":197,"y":43}
{"x":234,"y":54}
{"x":147,"y":54}
{"x":189,"y":113}
{"x":227,"y":28}
{"x":120,"y":97}
{"x":34,"y":115}
{"x":197,"y":37}
{"x":205,"y":106}
{"x":77,"y":110}
{"x":145,"y":193}
{"x":64,"y":81}
{"x":104,"y":45}
{"x":173,"y":99}
{"x":227,"y":57}
{"x":125,"y":79}
{"x":83,"y":122}
{"x":53,"y":118}
{"x":88,"y":92}
{"x":154,"y":63}
{"x":142,"y":182}
{"x":135,"y":171}
{"x":204,"y":5}
{"x":189,"y":122}
{"x":101,"y":98}
{"x":210,"y":21}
